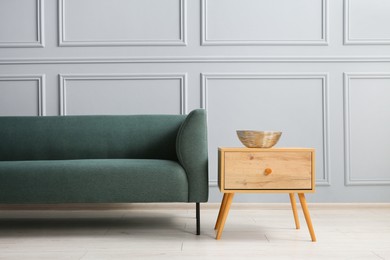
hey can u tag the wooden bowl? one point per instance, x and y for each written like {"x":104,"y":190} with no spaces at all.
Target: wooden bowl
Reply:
{"x":258,"y":139}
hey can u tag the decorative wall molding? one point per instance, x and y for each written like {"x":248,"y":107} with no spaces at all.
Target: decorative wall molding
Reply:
{"x":64,"y":41}
{"x":63,"y":79}
{"x":40,"y":41}
{"x":205,"y":77}
{"x":234,"y":42}
{"x":213,"y":183}
{"x":40,"y":79}
{"x":348,"y":40}
{"x":198,"y":59}
{"x":349,"y":178}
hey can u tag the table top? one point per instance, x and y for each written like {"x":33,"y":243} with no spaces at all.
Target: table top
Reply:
{"x":273,"y":149}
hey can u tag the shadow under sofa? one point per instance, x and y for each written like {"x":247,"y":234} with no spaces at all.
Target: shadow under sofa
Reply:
{"x":104,"y":159}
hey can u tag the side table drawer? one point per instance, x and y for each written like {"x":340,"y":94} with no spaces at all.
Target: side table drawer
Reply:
{"x":268,"y":170}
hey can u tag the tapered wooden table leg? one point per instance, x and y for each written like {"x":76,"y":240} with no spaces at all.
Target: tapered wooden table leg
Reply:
{"x":224,"y":214}
{"x":294,"y":209}
{"x":221,"y":210}
{"x":305,"y":209}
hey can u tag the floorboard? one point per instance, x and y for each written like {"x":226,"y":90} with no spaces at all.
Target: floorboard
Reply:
{"x":167,"y":231}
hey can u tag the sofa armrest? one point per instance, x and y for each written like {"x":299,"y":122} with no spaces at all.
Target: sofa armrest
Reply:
{"x":192,"y":152}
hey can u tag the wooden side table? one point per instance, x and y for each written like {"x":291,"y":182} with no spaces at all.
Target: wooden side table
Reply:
{"x":271,"y":170}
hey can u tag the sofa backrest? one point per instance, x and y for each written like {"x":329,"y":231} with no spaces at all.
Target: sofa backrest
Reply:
{"x":89,"y":137}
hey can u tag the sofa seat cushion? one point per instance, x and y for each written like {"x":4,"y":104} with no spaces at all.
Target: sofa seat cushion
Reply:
{"x":92,"y":181}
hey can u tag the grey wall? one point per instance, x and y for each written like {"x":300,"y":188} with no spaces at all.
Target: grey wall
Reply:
{"x":319,"y":70}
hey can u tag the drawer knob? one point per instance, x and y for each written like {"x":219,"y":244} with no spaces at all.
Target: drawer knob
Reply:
{"x":268,"y":171}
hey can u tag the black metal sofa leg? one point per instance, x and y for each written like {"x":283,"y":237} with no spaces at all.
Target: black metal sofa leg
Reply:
{"x":198,"y":218}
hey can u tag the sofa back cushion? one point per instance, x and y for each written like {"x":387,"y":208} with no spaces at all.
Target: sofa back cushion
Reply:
{"x":89,"y":137}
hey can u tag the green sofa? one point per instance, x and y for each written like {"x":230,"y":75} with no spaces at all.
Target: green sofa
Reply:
{"x":104,"y":159}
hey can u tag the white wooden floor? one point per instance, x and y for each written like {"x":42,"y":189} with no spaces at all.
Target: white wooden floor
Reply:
{"x":166,"y":231}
